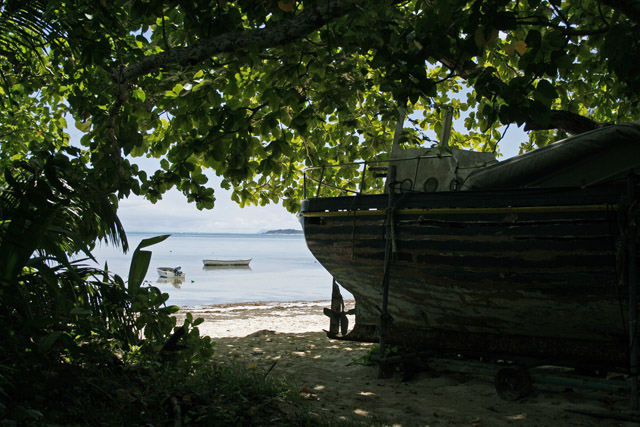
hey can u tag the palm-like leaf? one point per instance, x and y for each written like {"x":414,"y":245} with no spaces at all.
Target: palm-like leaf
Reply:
{"x":49,"y":208}
{"x":25,"y":28}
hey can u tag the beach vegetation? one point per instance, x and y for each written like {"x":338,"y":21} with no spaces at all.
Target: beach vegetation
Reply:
{"x":372,"y":355}
{"x":83,"y":346}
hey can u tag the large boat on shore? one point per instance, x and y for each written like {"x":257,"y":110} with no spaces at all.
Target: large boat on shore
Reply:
{"x":532,"y":258}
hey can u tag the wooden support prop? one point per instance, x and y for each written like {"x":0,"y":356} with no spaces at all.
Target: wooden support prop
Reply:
{"x":337,"y":306}
{"x":385,"y":319}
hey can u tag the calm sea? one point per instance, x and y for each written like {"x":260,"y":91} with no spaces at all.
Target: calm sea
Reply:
{"x":282,"y":268}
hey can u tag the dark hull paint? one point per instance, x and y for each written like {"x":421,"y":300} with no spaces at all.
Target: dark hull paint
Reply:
{"x":525,"y":273}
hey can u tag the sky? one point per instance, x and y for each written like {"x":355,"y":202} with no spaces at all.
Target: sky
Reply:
{"x":173,"y":214}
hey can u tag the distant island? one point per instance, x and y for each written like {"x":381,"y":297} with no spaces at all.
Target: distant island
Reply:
{"x":285,"y":231}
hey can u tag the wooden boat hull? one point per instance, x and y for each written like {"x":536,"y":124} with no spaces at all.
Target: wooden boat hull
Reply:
{"x":525,"y":273}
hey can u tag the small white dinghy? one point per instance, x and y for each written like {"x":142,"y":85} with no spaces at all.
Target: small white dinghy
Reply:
{"x":167,"y":272}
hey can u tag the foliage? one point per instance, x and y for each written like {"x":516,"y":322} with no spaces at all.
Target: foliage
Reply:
{"x":49,"y":211}
{"x":62,"y":320}
{"x":133,"y":395}
{"x":43,"y":293}
{"x":257,"y":90}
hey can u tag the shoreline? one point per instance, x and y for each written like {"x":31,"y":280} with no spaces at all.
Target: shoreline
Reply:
{"x":254,"y":304}
{"x":241,"y":319}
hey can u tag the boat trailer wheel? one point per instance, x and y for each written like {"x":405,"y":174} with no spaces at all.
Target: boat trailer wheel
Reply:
{"x":513,"y":383}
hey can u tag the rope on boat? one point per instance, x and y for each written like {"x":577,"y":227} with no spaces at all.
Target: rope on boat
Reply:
{"x":385,"y":319}
{"x":353,"y":209}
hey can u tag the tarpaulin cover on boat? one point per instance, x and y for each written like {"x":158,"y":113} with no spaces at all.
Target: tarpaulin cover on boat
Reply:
{"x":590,"y":158}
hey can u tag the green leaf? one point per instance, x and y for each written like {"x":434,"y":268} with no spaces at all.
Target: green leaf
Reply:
{"x":140,"y":262}
{"x":555,"y":39}
{"x":138,"y":269}
{"x":45,"y":343}
{"x":139,"y":94}
{"x":83,"y":126}
{"x":177,"y":89}
{"x":534,"y":39}
{"x":546,"y":90}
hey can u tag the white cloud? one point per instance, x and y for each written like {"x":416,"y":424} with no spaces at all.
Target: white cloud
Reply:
{"x":174,"y":214}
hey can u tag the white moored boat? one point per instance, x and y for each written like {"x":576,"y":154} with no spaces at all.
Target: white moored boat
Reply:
{"x":226,"y":262}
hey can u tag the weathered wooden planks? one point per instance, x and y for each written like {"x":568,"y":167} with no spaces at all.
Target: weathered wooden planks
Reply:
{"x":530,"y":266}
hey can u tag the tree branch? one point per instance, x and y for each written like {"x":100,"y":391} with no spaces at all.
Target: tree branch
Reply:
{"x":289,"y":31}
{"x":566,"y":30}
{"x":286,"y":32}
{"x":566,"y":121}
{"x":629,"y":8}
{"x":123,"y":90}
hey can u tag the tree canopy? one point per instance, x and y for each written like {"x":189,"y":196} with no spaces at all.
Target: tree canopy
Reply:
{"x":256,"y":90}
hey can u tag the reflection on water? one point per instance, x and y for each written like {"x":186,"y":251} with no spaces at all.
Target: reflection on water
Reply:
{"x":175,"y":281}
{"x":226,"y":267}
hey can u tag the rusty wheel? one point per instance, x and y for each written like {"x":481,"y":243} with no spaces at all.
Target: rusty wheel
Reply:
{"x":513,"y":383}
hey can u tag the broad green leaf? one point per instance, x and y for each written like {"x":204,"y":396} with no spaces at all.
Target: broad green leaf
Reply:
{"x":177,"y":89}
{"x":140,"y":262}
{"x":546,"y":89}
{"x":83,"y":126}
{"x":45,"y":343}
{"x":139,"y":94}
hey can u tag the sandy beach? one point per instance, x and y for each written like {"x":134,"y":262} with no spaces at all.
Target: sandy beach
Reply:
{"x":287,"y":341}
